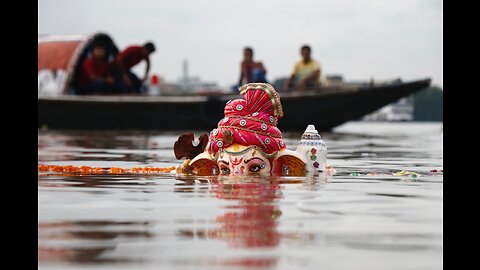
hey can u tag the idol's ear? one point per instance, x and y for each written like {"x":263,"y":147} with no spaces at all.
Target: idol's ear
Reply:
{"x":184,"y":148}
{"x":203,"y":165}
{"x":289,"y":163}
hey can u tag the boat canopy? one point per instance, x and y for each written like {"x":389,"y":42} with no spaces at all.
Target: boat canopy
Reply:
{"x":60,"y":58}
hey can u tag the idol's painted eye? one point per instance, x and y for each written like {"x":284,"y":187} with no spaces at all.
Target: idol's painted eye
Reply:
{"x":223,"y":166}
{"x":257,"y":167}
{"x":224,"y":171}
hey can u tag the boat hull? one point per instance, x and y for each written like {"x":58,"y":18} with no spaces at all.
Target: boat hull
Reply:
{"x":325,"y":109}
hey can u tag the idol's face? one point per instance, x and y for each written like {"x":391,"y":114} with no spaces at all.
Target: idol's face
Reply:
{"x":248,"y":160}
{"x":239,"y":159}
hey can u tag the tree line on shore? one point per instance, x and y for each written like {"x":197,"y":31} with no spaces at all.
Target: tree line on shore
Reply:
{"x":428,"y":104}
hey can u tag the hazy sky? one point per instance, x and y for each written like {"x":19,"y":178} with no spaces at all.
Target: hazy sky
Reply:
{"x":358,"y":39}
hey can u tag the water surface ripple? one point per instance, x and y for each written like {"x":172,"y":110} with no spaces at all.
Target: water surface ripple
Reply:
{"x":362,"y":217}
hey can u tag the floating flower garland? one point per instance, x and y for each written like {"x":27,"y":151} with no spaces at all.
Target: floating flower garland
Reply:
{"x":97,"y":170}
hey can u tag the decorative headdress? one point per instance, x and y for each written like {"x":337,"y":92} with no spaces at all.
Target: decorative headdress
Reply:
{"x":251,"y":121}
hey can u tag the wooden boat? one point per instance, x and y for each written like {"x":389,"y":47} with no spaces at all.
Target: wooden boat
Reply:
{"x":60,"y":108}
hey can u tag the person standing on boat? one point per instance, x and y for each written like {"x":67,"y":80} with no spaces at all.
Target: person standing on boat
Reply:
{"x":126,"y":80}
{"x":94,"y":76}
{"x":306,"y":72}
{"x":251,"y":71}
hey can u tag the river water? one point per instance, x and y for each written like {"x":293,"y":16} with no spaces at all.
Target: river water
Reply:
{"x":361,"y":217}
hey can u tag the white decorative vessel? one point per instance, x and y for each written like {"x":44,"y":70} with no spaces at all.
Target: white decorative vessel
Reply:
{"x":314,"y":149}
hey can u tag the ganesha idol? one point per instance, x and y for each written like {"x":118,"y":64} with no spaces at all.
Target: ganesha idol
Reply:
{"x":248,"y":142}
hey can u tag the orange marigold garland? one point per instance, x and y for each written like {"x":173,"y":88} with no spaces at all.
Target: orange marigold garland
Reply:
{"x":97,"y":170}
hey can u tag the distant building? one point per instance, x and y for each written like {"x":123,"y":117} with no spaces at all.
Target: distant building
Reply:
{"x":185,"y":85}
{"x":193,"y":84}
{"x":402,"y":110}
{"x":159,"y":86}
{"x":333,"y":80}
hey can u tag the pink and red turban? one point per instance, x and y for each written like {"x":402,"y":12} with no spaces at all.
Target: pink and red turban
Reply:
{"x":250,"y":121}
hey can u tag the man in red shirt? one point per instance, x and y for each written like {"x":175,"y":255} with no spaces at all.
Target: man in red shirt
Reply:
{"x":127,"y":81}
{"x":94,"y":76}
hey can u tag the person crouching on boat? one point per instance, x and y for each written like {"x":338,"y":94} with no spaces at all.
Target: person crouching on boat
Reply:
{"x":94,"y":76}
{"x":126,"y":81}
{"x":250,"y":70}
{"x":306,"y":72}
